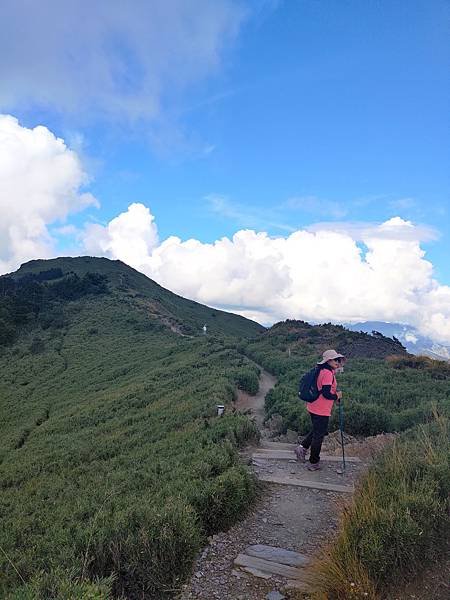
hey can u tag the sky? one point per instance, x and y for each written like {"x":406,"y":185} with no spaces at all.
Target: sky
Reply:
{"x":278,"y":159}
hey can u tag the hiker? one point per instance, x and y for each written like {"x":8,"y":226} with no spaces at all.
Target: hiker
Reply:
{"x":320,"y":409}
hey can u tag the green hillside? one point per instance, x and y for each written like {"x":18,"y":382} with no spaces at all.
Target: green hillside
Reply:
{"x":156,"y":303}
{"x":113,"y":462}
{"x":384,"y":388}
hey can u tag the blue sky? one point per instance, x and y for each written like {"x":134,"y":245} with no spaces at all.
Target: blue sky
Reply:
{"x":346,"y":102}
{"x":297,"y":112}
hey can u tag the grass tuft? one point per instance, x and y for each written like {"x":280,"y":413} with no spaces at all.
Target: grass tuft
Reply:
{"x":397,"y":522}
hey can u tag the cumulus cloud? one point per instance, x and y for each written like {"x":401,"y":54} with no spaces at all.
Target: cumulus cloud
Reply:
{"x":395,"y":228}
{"x":40,"y":183}
{"x":109,"y":57}
{"x":132,"y":236}
{"x":317,"y":275}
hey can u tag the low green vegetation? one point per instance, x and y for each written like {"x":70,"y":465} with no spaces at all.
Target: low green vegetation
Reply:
{"x":248,"y":380}
{"x":114,"y":466}
{"x":383,"y":394}
{"x":398,"y":522}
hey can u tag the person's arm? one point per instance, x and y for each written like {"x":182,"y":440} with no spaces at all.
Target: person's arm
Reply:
{"x":326,"y":393}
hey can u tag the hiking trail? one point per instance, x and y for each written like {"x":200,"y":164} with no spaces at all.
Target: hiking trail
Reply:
{"x":264,"y":555}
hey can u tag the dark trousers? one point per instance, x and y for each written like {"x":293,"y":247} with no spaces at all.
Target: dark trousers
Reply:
{"x":315,"y":437}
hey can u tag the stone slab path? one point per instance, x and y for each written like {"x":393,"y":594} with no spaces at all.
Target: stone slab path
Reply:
{"x":266,"y":453}
{"x":318,"y":485}
{"x":278,"y":555}
{"x":265,"y":561}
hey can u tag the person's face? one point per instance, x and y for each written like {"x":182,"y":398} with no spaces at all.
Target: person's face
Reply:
{"x":335,"y":363}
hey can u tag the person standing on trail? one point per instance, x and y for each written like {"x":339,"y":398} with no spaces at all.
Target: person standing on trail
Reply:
{"x":320,"y":409}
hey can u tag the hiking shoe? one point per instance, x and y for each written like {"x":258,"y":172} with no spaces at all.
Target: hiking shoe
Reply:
{"x":314,"y":466}
{"x":300,"y":453}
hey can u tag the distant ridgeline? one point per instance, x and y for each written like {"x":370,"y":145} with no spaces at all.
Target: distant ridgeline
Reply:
{"x":302,"y":338}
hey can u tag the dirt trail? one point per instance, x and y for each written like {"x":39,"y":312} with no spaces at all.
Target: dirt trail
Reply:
{"x":284,"y":516}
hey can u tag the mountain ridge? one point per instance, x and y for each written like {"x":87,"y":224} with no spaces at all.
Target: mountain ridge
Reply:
{"x":414,"y":342}
{"x":182,"y":315}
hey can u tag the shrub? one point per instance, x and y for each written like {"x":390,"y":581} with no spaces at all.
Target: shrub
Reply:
{"x":247,"y":380}
{"x":377,"y":397}
{"x":63,"y":585}
{"x":223,"y":500}
{"x":365,"y":419}
{"x":150,"y":551}
{"x":437,"y":368}
{"x":397,"y":522}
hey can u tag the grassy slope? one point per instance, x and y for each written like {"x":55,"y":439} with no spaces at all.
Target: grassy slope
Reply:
{"x":397,"y":524}
{"x":155,"y":302}
{"x":379,"y":395}
{"x":112,"y":460}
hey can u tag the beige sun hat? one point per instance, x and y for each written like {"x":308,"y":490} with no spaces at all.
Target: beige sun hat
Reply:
{"x":329,"y":355}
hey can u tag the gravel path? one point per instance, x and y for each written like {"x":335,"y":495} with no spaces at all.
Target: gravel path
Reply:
{"x":286,"y":517}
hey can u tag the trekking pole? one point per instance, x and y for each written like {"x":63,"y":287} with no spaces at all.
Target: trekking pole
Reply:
{"x":341,"y":427}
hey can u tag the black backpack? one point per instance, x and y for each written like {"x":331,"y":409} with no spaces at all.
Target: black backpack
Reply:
{"x":307,"y":387}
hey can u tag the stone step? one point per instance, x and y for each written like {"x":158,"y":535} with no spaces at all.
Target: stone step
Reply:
{"x":268,"y":566}
{"x":265,"y":446}
{"x":278,"y":555}
{"x":267,"y":453}
{"x":318,"y":485}
{"x":276,"y":445}
{"x":258,"y":573}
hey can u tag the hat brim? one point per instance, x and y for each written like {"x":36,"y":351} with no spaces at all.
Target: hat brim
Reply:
{"x":322,"y":362}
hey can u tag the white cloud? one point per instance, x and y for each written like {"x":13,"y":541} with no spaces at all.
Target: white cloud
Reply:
{"x":40,"y":181}
{"x":318,"y":275}
{"x":395,"y":229}
{"x":108,"y":57}
{"x":410,"y":337}
{"x":132,"y":236}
